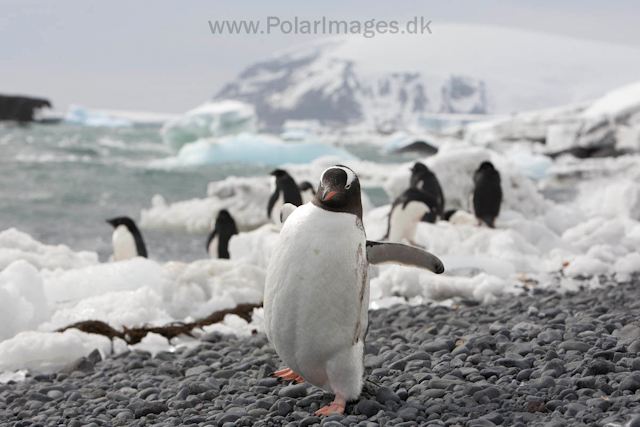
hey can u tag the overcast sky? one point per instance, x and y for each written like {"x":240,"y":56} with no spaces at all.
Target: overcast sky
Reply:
{"x":143,"y":55}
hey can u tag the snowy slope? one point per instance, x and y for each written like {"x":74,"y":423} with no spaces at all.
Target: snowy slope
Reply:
{"x":385,"y":82}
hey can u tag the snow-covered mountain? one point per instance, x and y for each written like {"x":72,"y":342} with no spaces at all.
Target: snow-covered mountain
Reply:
{"x":387,"y":81}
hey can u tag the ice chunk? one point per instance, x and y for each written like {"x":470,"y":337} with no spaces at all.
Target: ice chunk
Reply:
{"x":49,"y":351}
{"x":616,"y":104}
{"x":627,"y":265}
{"x":245,"y":198}
{"x":299,"y":130}
{"x":154,"y":344}
{"x":117,"y":309}
{"x":251,"y":148}
{"x":211,"y":119}
{"x":23,"y":305}
{"x":254,"y":247}
{"x":129,"y":275}
{"x":586,"y":266}
{"x":16,"y":245}
{"x":85,"y":117}
{"x":206,"y":286}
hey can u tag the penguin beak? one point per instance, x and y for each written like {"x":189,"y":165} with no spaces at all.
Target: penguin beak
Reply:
{"x":109,"y":221}
{"x":329,"y":194}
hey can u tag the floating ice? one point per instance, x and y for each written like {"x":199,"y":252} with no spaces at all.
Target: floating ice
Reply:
{"x":251,"y":148}
{"x":211,"y":119}
{"x":85,"y":117}
{"x":16,"y":245}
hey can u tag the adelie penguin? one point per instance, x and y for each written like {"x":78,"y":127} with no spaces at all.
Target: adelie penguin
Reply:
{"x":126,"y":239}
{"x":283,"y":190}
{"x":487,"y":194}
{"x":317,"y":288}
{"x":218,"y":241}
{"x":406,"y":212}
{"x":423,"y":179}
{"x":306,"y":192}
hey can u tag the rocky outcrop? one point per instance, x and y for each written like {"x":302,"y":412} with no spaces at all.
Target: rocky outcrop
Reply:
{"x":20,"y":108}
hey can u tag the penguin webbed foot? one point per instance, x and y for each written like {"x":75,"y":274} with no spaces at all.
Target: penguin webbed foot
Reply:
{"x":287,"y":374}
{"x":337,"y":406}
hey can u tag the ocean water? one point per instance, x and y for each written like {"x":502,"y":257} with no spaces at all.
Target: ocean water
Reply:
{"x":59,"y":183}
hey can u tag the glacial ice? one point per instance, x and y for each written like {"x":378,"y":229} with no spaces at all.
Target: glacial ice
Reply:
{"x":251,"y":148}
{"x":211,"y":119}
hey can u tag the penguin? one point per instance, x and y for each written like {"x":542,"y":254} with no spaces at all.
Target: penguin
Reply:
{"x":218,"y":241}
{"x":459,"y":217}
{"x":423,"y":179}
{"x":487,"y":194}
{"x":127,"y":240}
{"x":406,"y":212}
{"x":283,"y":190}
{"x":306,"y":191}
{"x":317,"y":288}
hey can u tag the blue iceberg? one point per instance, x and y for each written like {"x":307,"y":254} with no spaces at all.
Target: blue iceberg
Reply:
{"x":253,"y":148}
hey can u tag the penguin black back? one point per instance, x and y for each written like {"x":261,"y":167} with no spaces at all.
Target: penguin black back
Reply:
{"x":423,"y":179}
{"x":413,"y":195}
{"x":133,"y":229}
{"x":286,"y":186}
{"x":487,"y":194}
{"x":225,"y":228}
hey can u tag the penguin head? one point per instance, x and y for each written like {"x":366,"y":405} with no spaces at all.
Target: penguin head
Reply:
{"x":486,"y":166}
{"x":279,"y":174}
{"x":306,"y":185}
{"x":123,"y":220}
{"x":339,"y":191}
{"x":419,"y":168}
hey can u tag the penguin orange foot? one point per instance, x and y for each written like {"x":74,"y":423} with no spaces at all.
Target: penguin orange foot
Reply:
{"x":288,"y":375}
{"x":337,"y":406}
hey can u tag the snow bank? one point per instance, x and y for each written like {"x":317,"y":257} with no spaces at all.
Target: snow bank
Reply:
{"x":49,"y":351}
{"x":86,"y":282}
{"x":245,"y":198}
{"x":16,"y":245}
{"x":135,"y":308}
{"x":211,"y":119}
{"x":250,"y":148}
{"x":23,"y":305}
{"x":203,"y":287}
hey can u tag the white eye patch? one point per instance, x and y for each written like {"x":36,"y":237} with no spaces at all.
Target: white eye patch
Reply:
{"x":351,"y":176}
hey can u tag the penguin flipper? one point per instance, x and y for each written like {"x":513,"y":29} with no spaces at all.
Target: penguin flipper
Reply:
{"x":397,"y":253}
{"x":287,"y":209}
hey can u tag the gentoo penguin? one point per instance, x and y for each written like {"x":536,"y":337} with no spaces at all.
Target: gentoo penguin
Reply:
{"x":406,"y":212}
{"x":459,"y":217}
{"x":218,"y":241}
{"x":317,"y":287}
{"x":127,"y":240}
{"x":423,"y":179}
{"x":487,"y":194}
{"x":283,"y":190}
{"x":306,"y":191}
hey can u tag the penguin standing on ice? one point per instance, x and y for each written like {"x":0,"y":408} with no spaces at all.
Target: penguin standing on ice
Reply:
{"x":127,"y":240}
{"x":317,"y":288}
{"x":407,"y":211}
{"x":218,"y":241}
{"x":487,"y":194}
{"x":423,"y":179}
{"x":283,"y":190}
{"x":306,"y":192}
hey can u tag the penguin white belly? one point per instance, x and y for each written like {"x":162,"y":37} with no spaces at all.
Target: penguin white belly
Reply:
{"x":404,"y":222}
{"x":317,"y":297}
{"x":213,"y":247}
{"x":124,"y":244}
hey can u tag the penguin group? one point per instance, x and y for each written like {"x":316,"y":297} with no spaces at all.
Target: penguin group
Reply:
{"x":424,"y":201}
